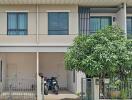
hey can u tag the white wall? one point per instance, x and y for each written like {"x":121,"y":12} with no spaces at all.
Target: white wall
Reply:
{"x":121,"y":18}
{"x":80,"y":75}
{"x":21,"y":65}
{"x":72,"y":86}
{"x":52,"y":64}
{"x":44,"y":38}
{"x":4,"y":69}
{"x":75,"y":87}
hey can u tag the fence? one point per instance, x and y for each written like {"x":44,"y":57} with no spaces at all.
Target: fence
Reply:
{"x":96,"y":89}
{"x":87,"y":89}
{"x":18,"y":89}
{"x":116,"y":90}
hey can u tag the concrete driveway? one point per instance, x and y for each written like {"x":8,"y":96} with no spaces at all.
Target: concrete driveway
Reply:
{"x":63,"y":95}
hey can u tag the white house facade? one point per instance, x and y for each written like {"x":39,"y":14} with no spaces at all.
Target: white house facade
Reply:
{"x":35,"y":34}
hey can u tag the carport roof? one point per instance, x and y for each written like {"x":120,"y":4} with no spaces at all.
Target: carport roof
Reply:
{"x":76,"y":2}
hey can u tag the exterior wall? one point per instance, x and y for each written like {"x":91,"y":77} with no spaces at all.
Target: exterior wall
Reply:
{"x":52,"y":65}
{"x":31,"y":38}
{"x":21,"y":65}
{"x":80,"y":75}
{"x":19,"y":68}
{"x":44,"y":38}
{"x":121,"y":18}
{"x":72,"y":86}
{"x":75,"y":87}
{"x":4,"y":69}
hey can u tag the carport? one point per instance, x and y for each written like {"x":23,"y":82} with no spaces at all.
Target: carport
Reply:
{"x":18,"y":75}
{"x":51,"y":64}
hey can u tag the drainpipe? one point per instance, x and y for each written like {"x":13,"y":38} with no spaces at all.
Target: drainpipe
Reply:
{"x":39,"y":92}
{"x":125,"y":21}
{"x":39,"y":95}
{"x":122,"y":18}
{"x":37,"y":24}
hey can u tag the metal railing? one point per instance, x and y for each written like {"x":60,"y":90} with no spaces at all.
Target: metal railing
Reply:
{"x":87,"y":89}
{"x":116,"y":90}
{"x":23,"y":89}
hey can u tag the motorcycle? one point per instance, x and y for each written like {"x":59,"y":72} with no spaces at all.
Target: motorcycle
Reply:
{"x":45,"y":86}
{"x":53,"y":85}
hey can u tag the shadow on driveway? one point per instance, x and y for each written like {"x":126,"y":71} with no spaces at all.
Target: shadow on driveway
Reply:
{"x":63,"y":95}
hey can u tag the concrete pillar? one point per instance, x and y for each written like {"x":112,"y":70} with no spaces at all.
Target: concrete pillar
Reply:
{"x":121,"y":17}
{"x":96,"y":88}
{"x":39,"y":95}
{"x":79,"y":76}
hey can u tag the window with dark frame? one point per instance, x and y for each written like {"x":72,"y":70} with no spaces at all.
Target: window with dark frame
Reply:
{"x":1,"y":71}
{"x":90,"y":24}
{"x":58,"y":23}
{"x":129,"y":25}
{"x":73,"y":76}
{"x":99,"y":22}
{"x":17,"y":23}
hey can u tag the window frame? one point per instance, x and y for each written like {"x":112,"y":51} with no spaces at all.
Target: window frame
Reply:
{"x":74,"y":76}
{"x":100,"y":17}
{"x":59,"y":29}
{"x":1,"y":65}
{"x":17,"y":23}
{"x":131,"y":24}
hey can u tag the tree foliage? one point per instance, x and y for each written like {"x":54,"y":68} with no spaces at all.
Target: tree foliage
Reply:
{"x":105,"y":53}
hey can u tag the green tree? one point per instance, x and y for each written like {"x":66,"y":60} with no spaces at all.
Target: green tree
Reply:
{"x":103,"y":54}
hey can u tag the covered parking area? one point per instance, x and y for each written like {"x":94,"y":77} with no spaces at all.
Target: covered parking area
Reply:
{"x":18,"y":75}
{"x":51,"y":64}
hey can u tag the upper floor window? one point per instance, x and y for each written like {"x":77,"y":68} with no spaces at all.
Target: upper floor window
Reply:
{"x":17,"y":23}
{"x":129,"y":25}
{"x":58,"y":23}
{"x":0,"y":70}
{"x":99,"y":22}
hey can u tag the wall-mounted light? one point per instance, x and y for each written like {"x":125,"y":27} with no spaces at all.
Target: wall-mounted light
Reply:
{"x":121,"y":6}
{"x":114,"y":19}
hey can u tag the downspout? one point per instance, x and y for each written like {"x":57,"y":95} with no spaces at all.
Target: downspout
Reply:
{"x":39,"y":95}
{"x":37,"y":25}
{"x":125,"y":17}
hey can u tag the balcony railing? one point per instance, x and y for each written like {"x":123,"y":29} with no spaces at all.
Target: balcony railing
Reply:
{"x":116,"y":90}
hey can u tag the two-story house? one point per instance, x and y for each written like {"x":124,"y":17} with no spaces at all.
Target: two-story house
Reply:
{"x":35,"y":34}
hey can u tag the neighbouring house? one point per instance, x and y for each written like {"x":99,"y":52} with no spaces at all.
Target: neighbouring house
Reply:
{"x":35,"y":34}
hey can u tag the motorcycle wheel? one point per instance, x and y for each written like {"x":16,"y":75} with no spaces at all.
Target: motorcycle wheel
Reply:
{"x":56,"y":89}
{"x":45,"y":90}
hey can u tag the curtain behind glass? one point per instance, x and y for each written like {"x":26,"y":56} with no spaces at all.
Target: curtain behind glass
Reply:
{"x":94,"y":24}
{"x":17,"y":23}
{"x":58,"y":23}
{"x":97,"y":23}
{"x":129,"y":25}
{"x":12,"y":22}
{"x":22,"y":21}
